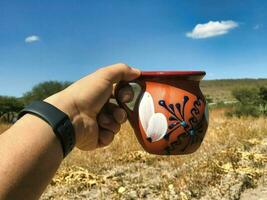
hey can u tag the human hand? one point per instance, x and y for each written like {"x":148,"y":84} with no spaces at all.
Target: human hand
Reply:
{"x":86,"y":101}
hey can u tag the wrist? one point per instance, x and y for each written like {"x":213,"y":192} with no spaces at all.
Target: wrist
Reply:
{"x":63,"y":102}
{"x":81,"y":122}
{"x":57,"y":118}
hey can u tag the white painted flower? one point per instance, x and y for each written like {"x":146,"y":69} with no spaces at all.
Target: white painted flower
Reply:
{"x":154,"y":124}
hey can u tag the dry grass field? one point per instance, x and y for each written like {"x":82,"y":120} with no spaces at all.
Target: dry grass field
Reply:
{"x":231,"y":159}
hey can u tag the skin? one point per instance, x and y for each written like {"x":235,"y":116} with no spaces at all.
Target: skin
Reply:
{"x":30,"y":152}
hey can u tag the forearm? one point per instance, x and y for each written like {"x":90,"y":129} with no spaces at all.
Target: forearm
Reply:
{"x":30,"y":155}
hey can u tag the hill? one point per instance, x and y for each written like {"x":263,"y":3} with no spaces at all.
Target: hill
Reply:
{"x":221,"y":90}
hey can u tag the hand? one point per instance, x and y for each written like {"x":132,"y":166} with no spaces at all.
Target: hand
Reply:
{"x":86,"y":101}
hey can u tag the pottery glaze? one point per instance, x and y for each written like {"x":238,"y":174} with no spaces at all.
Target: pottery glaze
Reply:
{"x":170,"y":115}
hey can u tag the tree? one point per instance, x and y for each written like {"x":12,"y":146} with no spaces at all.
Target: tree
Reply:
{"x":44,"y":90}
{"x":10,"y":104}
{"x":9,"y":107}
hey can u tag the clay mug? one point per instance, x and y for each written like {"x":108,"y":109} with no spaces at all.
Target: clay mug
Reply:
{"x":170,"y":114}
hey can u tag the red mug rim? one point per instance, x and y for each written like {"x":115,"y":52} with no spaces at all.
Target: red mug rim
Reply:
{"x":173,"y":73}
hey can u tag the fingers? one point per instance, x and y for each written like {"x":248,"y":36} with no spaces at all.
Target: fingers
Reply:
{"x":105,"y":137}
{"x":118,"y":72}
{"x":107,"y":122}
{"x":107,"y":129}
{"x":118,"y":113}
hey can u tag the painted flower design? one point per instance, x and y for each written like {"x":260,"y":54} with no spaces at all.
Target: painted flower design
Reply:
{"x":154,"y":124}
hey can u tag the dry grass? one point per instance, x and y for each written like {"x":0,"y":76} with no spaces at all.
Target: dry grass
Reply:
{"x":232,"y":147}
{"x":231,"y":159}
{"x":3,"y":127}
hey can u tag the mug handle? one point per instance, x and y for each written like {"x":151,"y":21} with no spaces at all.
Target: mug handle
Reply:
{"x":120,"y":85}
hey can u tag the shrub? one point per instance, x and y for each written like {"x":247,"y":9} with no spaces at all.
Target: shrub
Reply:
{"x":263,"y":94}
{"x":247,"y":110}
{"x":263,"y":98}
{"x":252,"y":102}
{"x":247,"y":96}
{"x":209,"y":99}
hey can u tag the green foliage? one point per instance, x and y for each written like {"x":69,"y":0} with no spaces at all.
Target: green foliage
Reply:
{"x":221,"y":90}
{"x":263,"y":94}
{"x":263,"y":100}
{"x":247,"y":110}
{"x":247,"y":96}
{"x":209,"y":99}
{"x":10,"y":104}
{"x":252,"y":102}
{"x":44,"y":90}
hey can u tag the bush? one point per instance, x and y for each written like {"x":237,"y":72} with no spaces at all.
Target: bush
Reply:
{"x":263,"y":94}
{"x":247,"y":96}
{"x":209,"y":99}
{"x":247,"y":110}
{"x":263,"y":98}
{"x":252,"y":102}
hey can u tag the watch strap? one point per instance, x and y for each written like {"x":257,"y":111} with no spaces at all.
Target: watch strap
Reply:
{"x":57,"y":119}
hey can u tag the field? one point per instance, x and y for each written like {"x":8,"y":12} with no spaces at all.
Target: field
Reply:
{"x":220,"y":90}
{"x":231,"y":159}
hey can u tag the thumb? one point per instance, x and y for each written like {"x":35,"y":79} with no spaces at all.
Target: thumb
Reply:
{"x":119,"y":72}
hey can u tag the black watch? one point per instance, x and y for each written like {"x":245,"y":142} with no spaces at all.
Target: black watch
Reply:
{"x":58,"y":120}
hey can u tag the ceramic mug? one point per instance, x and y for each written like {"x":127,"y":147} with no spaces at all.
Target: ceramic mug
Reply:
{"x":170,"y":114}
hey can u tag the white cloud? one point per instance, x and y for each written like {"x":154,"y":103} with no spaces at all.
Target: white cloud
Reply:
{"x":212,"y":29}
{"x":32,"y":38}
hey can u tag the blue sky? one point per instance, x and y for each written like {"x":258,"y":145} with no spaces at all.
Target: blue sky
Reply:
{"x":65,"y":40}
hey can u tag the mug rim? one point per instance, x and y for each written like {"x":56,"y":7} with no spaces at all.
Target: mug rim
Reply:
{"x":172,"y":73}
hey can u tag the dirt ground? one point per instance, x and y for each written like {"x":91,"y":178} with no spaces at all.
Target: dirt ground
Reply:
{"x":260,"y":193}
{"x":231,"y":164}
{"x":139,"y":179}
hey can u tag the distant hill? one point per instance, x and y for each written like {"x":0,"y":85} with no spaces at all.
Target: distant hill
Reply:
{"x":220,"y":90}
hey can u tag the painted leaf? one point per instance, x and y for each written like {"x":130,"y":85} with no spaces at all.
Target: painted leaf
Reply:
{"x":157,"y":127}
{"x":146,"y":109}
